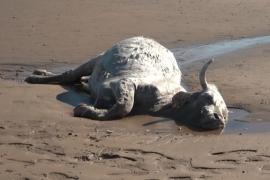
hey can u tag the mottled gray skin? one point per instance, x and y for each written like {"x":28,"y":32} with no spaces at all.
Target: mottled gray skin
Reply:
{"x":139,"y":72}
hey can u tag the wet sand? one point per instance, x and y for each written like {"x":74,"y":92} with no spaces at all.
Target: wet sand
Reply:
{"x":39,"y":138}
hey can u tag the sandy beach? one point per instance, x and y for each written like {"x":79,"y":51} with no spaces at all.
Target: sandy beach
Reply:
{"x":40,"y":138}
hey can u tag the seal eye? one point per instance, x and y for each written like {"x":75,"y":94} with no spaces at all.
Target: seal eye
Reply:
{"x":209,"y":100}
{"x":217,"y":116}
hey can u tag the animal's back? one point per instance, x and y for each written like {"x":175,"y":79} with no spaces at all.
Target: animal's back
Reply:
{"x":142,"y":60}
{"x":139,"y":56}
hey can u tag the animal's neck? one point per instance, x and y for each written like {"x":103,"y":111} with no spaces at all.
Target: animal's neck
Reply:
{"x":166,"y":110}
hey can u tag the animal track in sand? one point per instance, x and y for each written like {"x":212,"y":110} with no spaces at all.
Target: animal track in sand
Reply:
{"x":61,"y":176}
{"x":230,"y":161}
{"x":235,"y":151}
{"x":243,"y":157}
{"x":27,"y":163}
{"x":115,"y":156}
{"x":181,"y":178}
{"x":199,"y":167}
{"x":56,"y":150}
{"x":136,"y":161}
{"x":18,"y":144}
{"x":142,"y":162}
{"x":149,"y":152}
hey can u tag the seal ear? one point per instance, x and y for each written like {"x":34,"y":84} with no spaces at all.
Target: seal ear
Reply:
{"x":180,"y":98}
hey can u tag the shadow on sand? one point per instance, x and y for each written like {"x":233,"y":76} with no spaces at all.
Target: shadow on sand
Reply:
{"x":74,"y":96}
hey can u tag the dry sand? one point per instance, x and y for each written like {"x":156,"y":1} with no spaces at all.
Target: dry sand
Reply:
{"x":39,"y":138}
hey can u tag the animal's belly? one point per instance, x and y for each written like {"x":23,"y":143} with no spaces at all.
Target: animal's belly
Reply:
{"x":147,"y":96}
{"x":101,"y":92}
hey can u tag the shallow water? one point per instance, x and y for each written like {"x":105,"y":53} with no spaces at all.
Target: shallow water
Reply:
{"x":240,"y":123}
{"x":189,"y":54}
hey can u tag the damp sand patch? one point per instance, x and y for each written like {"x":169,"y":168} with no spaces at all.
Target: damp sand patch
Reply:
{"x":18,"y":72}
{"x":185,"y":55}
